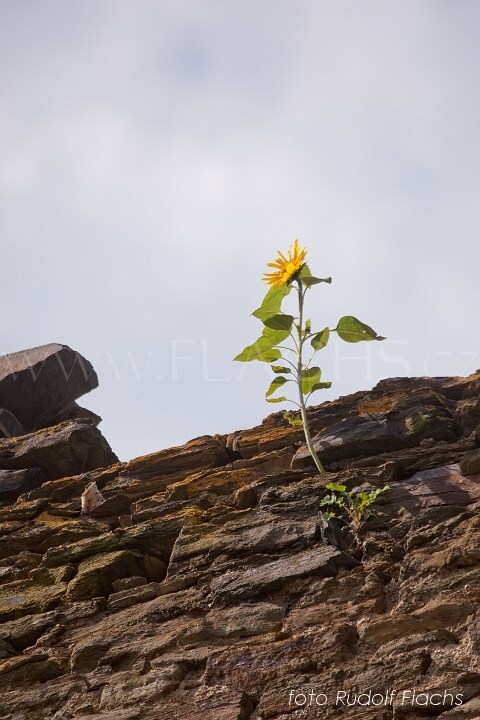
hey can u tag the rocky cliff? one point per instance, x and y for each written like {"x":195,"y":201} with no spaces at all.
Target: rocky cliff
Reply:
{"x":201,"y":585}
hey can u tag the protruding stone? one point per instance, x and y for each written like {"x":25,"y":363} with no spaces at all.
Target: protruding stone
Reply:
{"x":40,"y":385}
{"x":95,"y":575}
{"x":91,"y":498}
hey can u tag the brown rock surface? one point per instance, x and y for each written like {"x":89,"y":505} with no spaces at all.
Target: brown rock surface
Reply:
{"x":40,"y":385}
{"x":66,"y":449}
{"x":202,"y":587}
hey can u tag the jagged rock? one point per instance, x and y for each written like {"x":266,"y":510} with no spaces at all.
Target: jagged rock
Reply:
{"x":30,"y":668}
{"x":96,"y":575}
{"x":40,"y":385}
{"x":46,"y":531}
{"x":153,"y":536}
{"x":421,"y":415}
{"x":242,"y":533}
{"x":411,"y":460}
{"x":66,"y":449}
{"x":91,"y":498}
{"x":149,"y":474}
{"x":258,"y":581}
{"x":203,"y":587}
{"x":64,"y":489}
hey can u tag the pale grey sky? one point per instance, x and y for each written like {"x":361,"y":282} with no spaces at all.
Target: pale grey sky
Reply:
{"x":154,"y":156}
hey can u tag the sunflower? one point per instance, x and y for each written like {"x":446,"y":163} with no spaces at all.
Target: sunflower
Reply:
{"x":286,"y":267}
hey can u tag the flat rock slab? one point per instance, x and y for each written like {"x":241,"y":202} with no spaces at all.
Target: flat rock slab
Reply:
{"x":424,"y":416}
{"x":133,"y":596}
{"x":322,"y":561}
{"x":24,"y":597}
{"x":439,"y":486}
{"x":66,"y":449}
{"x":250,"y":533}
{"x":40,"y":385}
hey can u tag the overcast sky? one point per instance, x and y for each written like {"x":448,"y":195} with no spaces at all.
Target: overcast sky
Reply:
{"x":154,"y":156}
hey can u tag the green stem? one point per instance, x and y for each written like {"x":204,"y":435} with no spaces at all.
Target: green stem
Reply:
{"x":303,"y":410}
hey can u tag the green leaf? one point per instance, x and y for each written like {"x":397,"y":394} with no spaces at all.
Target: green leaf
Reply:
{"x":269,"y":356}
{"x":275,"y":384}
{"x":321,"y":386}
{"x":262,"y":349}
{"x":336,"y":487}
{"x":280,"y":399}
{"x":352,"y":330}
{"x":275,"y":336}
{"x":311,"y":280}
{"x":271,"y":302}
{"x":320,"y":340}
{"x":280,"y":369}
{"x":279,"y":322}
{"x":308,"y":326}
{"x":310,"y":377}
{"x":308,"y":279}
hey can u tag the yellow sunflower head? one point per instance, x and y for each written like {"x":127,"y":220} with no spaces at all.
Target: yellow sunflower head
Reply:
{"x":286,"y":267}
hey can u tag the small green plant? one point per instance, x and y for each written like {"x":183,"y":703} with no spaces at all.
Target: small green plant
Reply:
{"x":353,"y":505}
{"x":280,"y":328}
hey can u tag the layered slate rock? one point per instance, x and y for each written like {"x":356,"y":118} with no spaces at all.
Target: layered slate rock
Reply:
{"x":62,"y":450}
{"x":203,"y":587}
{"x":39,"y":386}
{"x":405,"y":422}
